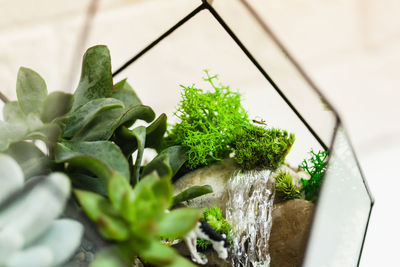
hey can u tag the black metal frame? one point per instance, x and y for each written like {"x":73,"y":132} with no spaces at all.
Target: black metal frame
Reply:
{"x":205,"y":5}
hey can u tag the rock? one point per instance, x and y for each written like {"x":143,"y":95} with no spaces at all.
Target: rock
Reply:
{"x":212,"y":256}
{"x":290,"y":226}
{"x":216,"y":175}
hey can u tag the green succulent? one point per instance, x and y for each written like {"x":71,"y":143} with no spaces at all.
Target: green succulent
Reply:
{"x":258,"y":147}
{"x":284,"y":186}
{"x":90,"y":136}
{"x":315,"y":167}
{"x":136,"y":218}
{"x":214,"y":218}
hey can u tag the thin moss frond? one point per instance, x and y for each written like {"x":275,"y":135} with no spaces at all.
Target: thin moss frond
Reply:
{"x":315,"y":167}
{"x":207,"y":122}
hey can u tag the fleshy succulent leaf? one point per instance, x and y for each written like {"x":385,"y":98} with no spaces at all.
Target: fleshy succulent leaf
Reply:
{"x":99,"y":209}
{"x":11,"y":133}
{"x":155,"y":131}
{"x":158,"y":254}
{"x":192,"y":192}
{"x":173,"y":157}
{"x":108,"y":156}
{"x":178,"y":222}
{"x":81,"y":117}
{"x":31,"y":91}
{"x":56,"y":104}
{"x":96,"y":80}
{"x":124,"y":92}
{"x":138,"y":112}
{"x":13,"y":113}
{"x":117,"y":187}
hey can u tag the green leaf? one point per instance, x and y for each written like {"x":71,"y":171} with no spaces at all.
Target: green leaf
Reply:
{"x":11,"y":133}
{"x":140,"y":134}
{"x":31,"y":91}
{"x":178,"y":222}
{"x":192,"y":192}
{"x":101,"y":127}
{"x":111,"y":257}
{"x":88,"y":183}
{"x":139,"y":112}
{"x":55,"y":105}
{"x":117,"y":187}
{"x":99,"y":209}
{"x":160,"y":165}
{"x":174,"y":157}
{"x":12,"y":112}
{"x":96,"y":80}
{"x":106,"y":153}
{"x":155,"y":131}
{"x":113,"y":228}
{"x":124,"y":92}
{"x":162,"y":190}
{"x":31,"y":159}
{"x":158,"y":254}
{"x":48,"y":133}
{"x":85,"y":114}
{"x":93,"y":204}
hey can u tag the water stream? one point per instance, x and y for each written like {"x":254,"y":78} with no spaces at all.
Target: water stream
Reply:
{"x":249,"y":209}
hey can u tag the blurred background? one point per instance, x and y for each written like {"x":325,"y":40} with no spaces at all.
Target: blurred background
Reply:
{"x":350,"y":49}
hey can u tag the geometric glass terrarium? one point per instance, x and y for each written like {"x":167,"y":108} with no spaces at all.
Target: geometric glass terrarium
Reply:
{"x":232,"y":39}
{"x":279,"y":87}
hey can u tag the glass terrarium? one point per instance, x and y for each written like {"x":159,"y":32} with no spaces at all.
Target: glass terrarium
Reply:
{"x":233,"y":40}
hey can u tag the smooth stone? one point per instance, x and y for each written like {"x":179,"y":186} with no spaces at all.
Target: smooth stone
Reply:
{"x":216,"y":175}
{"x":290,"y":227}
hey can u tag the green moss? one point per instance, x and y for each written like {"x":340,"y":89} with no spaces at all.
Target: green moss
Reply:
{"x":258,"y":147}
{"x":207,"y":122}
{"x":315,"y":167}
{"x":213,"y":217}
{"x":285,"y":187}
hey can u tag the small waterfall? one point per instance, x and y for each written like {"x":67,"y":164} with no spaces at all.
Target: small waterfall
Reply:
{"x":249,"y":211}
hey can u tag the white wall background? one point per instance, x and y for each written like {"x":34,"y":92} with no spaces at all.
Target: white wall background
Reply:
{"x":349,"y":47}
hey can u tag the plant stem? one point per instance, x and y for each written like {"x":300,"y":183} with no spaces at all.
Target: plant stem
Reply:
{"x":4,"y":98}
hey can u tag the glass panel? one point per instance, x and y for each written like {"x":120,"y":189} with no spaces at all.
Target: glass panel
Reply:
{"x":342,"y":212}
{"x":202,"y":43}
{"x":274,"y":60}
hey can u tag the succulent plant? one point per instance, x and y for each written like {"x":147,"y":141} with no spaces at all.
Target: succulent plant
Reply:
{"x":91,"y":137}
{"x":31,"y":235}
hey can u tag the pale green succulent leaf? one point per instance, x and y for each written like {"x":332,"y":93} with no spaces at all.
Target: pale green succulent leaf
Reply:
{"x":31,"y":91}
{"x":55,"y":105}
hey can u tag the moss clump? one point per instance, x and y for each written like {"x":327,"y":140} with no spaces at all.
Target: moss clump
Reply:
{"x":285,"y":187}
{"x":315,"y":167}
{"x":213,"y":217}
{"x":258,"y":147}
{"x":208,"y":122}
